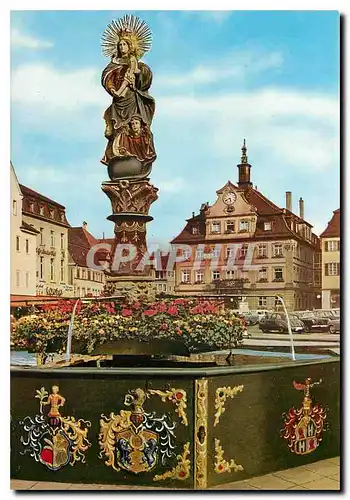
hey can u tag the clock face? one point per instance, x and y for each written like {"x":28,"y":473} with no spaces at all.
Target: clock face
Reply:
{"x":229,"y":198}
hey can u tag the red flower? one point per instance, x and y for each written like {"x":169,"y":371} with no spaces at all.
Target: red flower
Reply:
{"x":180,"y":302}
{"x":162,"y":307}
{"x":164,"y":326}
{"x":150,"y":312}
{"x":127,"y":312}
{"x":136,"y":305}
{"x":178,"y":331}
{"x":173,"y":310}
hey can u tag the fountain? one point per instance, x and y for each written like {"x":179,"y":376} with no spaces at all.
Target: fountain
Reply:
{"x":161,"y":416}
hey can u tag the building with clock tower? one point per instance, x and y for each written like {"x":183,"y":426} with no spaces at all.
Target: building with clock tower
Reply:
{"x":246,"y":245}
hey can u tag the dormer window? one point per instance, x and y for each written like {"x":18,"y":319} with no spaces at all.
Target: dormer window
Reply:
{"x":230,"y":226}
{"x":42,"y":210}
{"x":244,"y":226}
{"x":195,"y":230}
{"x":52,"y":214}
{"x":267,"y":226}
{"x":31,"y":207}
{"x":215,"y":227}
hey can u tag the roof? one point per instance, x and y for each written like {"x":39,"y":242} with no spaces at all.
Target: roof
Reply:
{"x":80,"y":241}
{"x":30,"y":192}
{"x":27,"y":227}
{"x":333,"y":228}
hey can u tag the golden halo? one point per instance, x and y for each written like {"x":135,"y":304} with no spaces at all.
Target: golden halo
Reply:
{"x":131,"y":28}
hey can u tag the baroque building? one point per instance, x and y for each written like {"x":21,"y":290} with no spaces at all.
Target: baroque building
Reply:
{"x":245,"y":245}
{"x":23,"y":246}
{"x":86,"y":280}
{"x":330,"y":244}
{"x":49,"y":219}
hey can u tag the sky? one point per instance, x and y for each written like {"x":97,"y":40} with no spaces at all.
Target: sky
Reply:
{"x":271,"y":77}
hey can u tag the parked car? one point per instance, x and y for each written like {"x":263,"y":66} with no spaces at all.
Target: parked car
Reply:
{"x":278,"y":322}
{"x":251,"y":318}
{"x":334,"y":324}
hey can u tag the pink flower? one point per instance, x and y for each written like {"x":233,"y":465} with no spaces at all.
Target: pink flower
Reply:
{"x":164,"y":326}
{"x":101,"y":332}
{"x":178,"y":331}
{"x":173,"y":310}
{"x":136,"y":305}
{"x":162,"y":307}
{"x":127,"y":312}
{"x":150,"y":312}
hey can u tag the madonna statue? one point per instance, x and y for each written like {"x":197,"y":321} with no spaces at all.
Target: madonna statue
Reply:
{"x":127,"y":81}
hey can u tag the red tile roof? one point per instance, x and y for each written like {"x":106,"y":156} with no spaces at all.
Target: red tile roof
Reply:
{"x":30,"y":192}
{"x":79,"y":243}
{"x":333,"y":228}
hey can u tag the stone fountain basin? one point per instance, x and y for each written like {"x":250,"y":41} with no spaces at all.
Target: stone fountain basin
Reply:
{"x":247,"y":431}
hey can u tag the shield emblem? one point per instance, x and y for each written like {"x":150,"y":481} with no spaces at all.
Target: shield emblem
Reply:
{"x":136,"y":452}
{"x":55,"y":453}
{"x":306,"y":439}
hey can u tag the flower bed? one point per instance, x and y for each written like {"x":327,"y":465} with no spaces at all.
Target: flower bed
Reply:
{"x":200,"y":324}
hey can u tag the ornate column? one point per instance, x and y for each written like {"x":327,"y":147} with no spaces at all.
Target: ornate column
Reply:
{"x":129,"y":154}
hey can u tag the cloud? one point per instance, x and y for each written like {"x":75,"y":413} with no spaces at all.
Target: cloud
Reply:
{"x":237,"y":65}
{"x":50,"y":89}
{"x":25,"y":41}
{"x":174,"y":185}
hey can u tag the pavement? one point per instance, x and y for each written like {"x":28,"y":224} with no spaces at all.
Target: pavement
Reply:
{"x":323,"y":475}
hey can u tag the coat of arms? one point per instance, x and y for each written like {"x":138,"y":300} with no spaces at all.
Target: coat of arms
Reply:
{"x":303,"y":427}
{"x":134,"y":440}
{"x":52,"y":439}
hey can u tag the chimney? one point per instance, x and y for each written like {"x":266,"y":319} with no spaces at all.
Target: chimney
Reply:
{"x":289,"y":201}
{"x":244,"y":169}
{"x":301,"y":208}
{"x":84,"y":225}
{"x":192,"y":214}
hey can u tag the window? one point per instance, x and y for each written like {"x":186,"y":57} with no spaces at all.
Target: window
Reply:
{"x":17,"y":244}
{"x":18,"y":278}
{"x":230,"y":251}
{"x":230,"y":226}
{"x":170,"y":274}
{"x":78,"y":291}
{"x":215,"y":227}
{"x":14,"y":207}
{"x":215,"y":253}
{"x":89,"y":275}
{"x":52,"y":269}
{"x":83,"y":274}
{"x":262,"y":274}
{"x":42,"y":210}
{"x":277,"y":303}
{"x":185,"y":276}
{"x":267,"y":226}
{"x":78,"y":272}
{"x":243,"y":251}
{"x":262,"y":251}
{"x":199,"y":276}
{"x":262,"y":301}
{"x":215,"y":275}
{"x":41,"y":236}
{"x":27,"y":280}
{"x":62,"y":241}
{"x":195,"y":230}
{"x":31,"y":207}
{"x":332,"y":269}
{"x":199,"y":253}
{"x":187,"y":253}
{"x":332,"y":246}
{"x":83,"y":292}
{"x":278,"y":250}
{"x":62,"y":270}
{"x":230,"y":274}
{"x":27,"y":246}
{"x":41,"y":273}
{"x":62,"y":217}
{"x":278,"y":274}
{"x":52,"y":214}
{"x":52,"y":238}
{"x":244,"y":226}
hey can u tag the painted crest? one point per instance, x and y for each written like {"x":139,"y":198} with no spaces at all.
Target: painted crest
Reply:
{"x":52,"y":439}
{"x":134,"y":440}
{"x":303,"y":428}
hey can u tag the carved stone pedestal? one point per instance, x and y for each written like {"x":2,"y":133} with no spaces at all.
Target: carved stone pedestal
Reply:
{"x":131,"y":201}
